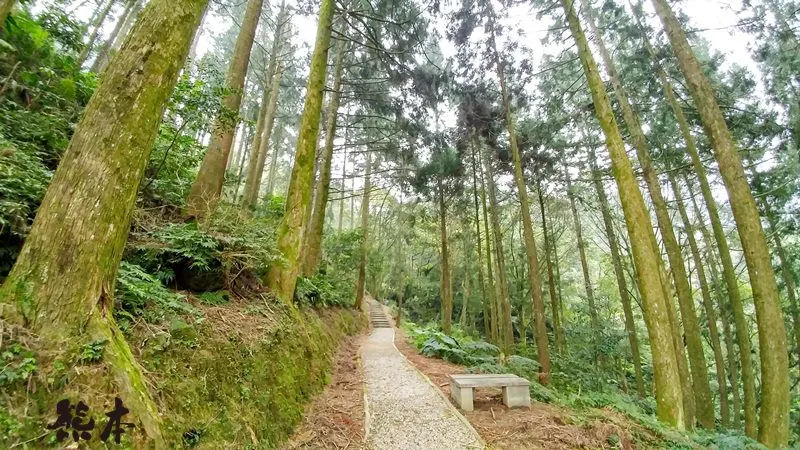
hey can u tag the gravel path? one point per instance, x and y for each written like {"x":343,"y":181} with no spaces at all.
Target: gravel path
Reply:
{"x":405,"y":411}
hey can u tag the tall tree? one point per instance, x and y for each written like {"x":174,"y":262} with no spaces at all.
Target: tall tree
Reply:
{"x":62,"y":284}
{"x":622,"y":284}
{"x":699,"y":368}
{"x":207,"y":187}
{"x":362,"y":264}
{"x":313,"y":247}
{"x":283,"y":278}
{"x":774,"y":416}
{"x":669,"y":406}
{"x":269,"y":109}
{"x":5,"y":9}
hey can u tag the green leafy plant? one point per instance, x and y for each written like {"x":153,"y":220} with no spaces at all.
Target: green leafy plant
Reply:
{"x":18,"y":363}
{"x":92,"y":352}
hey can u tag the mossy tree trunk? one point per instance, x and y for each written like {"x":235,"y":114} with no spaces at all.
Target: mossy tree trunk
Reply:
{"x":62,"y":285}
{"x":786,"y":272}
{"x":445,"y":294}
{"x":622,"y":284}
{"x":266,"y":118}
{"x":207,"y":187}
{"x":669,"y":406}
{"x":708,"y":304}
{"x":773,"y":430}
{"x":485,"y":302}
{"x":276,"y":153}
{"x":534,"y":276}
{"x":362,"y":265}
{"x":694,"y":343}
{"x":283,"y":278}
{"x":492,"y":284}
{"x":313,"y":247}
{"x":722,"y":306}
{"x":505,"y":330}
{"x":587,"y":281}
{"x":558,"y":328}
{"x":255,"y":168}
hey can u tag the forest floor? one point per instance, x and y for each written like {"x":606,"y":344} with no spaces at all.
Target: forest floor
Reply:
{"x":335,"y":418}
{"x":403,"y":409}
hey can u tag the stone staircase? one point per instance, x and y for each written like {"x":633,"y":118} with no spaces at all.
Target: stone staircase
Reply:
{"x":377,"y":317}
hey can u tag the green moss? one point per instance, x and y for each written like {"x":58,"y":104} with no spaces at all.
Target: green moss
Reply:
{"x":248,"y":387}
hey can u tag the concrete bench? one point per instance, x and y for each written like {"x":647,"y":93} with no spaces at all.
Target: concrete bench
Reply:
{"x":516,"y":390}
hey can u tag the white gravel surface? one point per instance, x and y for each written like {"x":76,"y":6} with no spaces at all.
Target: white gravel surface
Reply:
{"x":404,"y":410}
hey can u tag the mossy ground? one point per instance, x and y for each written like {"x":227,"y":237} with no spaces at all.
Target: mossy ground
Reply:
{"x":227,"y":376}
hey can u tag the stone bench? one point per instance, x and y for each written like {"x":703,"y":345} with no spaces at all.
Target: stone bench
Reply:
{"x":516,"y":390}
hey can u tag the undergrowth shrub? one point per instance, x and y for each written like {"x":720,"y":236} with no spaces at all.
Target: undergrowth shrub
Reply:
{"x":142,"y":294}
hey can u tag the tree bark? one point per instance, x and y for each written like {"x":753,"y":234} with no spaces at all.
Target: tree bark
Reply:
{"x":255,"y":170}
{"x":485,"y":302}
{"x":558,"y":328}
{"x":587,"y":281}
{"x":62,"y":284}
{"x":505,"y":330}
{"x":733,"y":371}
{"x":694,"y":343}
{"x":786,"y":272}
{"x":708,"y":304}
{"x":362,"y":265}
{"x":774,"y":416}
{"x":534,"y":275}
{"x":313,"y":247}
{"x":491,"y":281}
{"x":445,"y":293}
{"x":729,"y":273}
{"x":207,"y":187}
{"x":283,"y":278}
{"x":669,"y":406}
{"x":273,"y":163}
{"x":622,"y":284}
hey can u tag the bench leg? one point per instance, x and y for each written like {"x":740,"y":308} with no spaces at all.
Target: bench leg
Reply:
{"x":516,"y":396}
{"x":462,"y":397}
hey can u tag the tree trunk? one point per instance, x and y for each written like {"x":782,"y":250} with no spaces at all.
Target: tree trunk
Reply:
{"x":282,"y":278}
{"x":558,"y":329}
{"x":362,"y":265}
{"x":62,"y":284}
{"x":269,"y":110}
{"x":445,"y":293}
{"x":207,"y":187}
{"x":255,"y":169}
{"x":504,"y":325}
{"x":774,"y":417}
{"x":587,"y":282}
{"x":699,"y":368}
{"x":273,"y":163}
{"x":485,"y":302}
{"x":313,"y":247}
{"x":708,"y":304}
{"x":648,"y":261}
{"x":622,"y":284}
{"x":786,"y":272}
{"x":534,"y":276}
{"x":731,"y":280}
{"x":101,"y":59}
{"x":5,"y":9}
{"x":98,"y":24}
{"x":733,"y":371}
{"x":490,"y":279}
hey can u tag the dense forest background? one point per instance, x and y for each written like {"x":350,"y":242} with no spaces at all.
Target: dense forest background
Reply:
{"x":165,"y":156}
